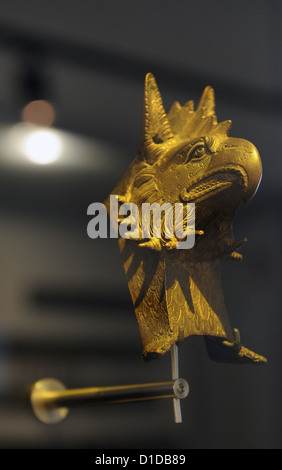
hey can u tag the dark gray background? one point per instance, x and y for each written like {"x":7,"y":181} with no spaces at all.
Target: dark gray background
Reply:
{"x":65,"y":310}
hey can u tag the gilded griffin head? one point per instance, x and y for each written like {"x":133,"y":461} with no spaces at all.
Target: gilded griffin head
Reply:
{"x":186,"y":156}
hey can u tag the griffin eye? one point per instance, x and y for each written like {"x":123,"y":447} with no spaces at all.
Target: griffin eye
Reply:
{"x":197,"y":152}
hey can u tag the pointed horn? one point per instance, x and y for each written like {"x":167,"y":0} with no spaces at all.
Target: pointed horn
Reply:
{"x":156,"y":128}
{"x":222,"y":128}
{"x":206,"y":105}
{"x":174,"y":110}
{"x":189,"y":106}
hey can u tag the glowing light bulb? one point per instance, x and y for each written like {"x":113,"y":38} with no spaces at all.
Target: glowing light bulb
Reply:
{"x":42,"y":147}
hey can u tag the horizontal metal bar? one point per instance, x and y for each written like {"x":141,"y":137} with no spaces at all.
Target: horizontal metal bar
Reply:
{"x":50,"y":400}
{"x":108,"y":394}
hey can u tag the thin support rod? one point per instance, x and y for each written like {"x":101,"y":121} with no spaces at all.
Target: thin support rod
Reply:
{"x":175,"y":376}
{"x":101,"y":395}
{"x":50,"y":400}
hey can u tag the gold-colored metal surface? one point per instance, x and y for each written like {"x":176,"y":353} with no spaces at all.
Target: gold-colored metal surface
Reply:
{"x":186,"y":156}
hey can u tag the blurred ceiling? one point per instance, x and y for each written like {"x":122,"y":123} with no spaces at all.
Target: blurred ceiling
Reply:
{"x":91,"y":57}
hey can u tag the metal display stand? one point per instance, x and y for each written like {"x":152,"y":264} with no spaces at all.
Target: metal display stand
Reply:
{"x":51,"y":401}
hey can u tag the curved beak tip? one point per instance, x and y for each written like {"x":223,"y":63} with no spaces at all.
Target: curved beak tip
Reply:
{"x":253,"y":167}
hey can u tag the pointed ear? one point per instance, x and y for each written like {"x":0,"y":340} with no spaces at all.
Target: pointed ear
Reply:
{"x":156,"y":128}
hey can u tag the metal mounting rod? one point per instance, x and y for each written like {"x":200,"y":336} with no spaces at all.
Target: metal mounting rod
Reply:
{"x":175,"y":376}
{"x":50,"y":399}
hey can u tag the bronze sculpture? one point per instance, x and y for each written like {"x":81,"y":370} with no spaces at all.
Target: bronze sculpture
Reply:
{"x":186,"y":156}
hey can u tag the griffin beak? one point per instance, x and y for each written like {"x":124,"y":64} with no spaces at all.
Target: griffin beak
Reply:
{"x":243,"y":155}
{"x":253,"y":167}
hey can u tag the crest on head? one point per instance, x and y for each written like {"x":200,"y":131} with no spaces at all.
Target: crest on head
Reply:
{"x":162,"y":131}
